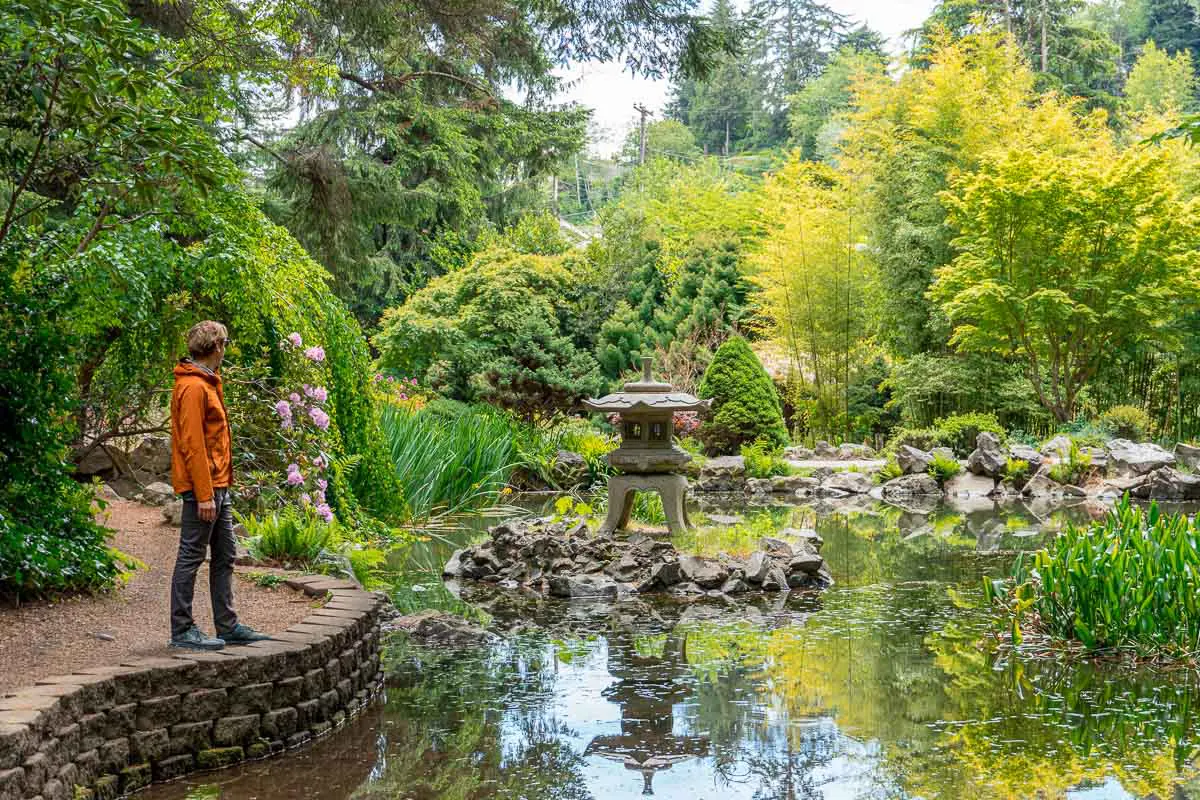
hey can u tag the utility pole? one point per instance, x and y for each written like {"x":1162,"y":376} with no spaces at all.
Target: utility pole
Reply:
{"x":645,"y":112}
{"x":1045,"y":51}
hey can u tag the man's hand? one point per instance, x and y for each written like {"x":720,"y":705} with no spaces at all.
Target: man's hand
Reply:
{"x":207,"y":510}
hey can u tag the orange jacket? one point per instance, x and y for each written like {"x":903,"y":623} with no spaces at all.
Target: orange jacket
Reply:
{"x":201,"y":446}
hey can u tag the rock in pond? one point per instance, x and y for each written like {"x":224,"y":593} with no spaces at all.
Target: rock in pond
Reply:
{"x":1130,"y":458}
{"x":564,"y":560}
{"x":570,"y":470}
{"x":722,"y":474}
{"x":910,"y":486}
{"x":439,"y":629}
{"x":1188,"y":455}
{"x":1166,"y":483}
{"x":848,"y":482}
{"x":968,"y":484}
{"x":913,"y":461}
{"x":1024,"y":452}
{"x":989,"y":457}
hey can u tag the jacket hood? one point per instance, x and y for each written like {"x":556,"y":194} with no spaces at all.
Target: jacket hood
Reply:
{"x":189,"y":369}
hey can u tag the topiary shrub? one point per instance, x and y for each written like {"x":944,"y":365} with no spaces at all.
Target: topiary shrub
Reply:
{"x":1127,"y":422}
{"x":745,"y":405}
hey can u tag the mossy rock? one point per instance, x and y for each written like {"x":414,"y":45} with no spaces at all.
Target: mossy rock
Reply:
{"x":107,"y":787}
{"x":745,"y":406}
{"x":135,"y":777}
{"x":260,"y":749}
{"x":217,"y":757}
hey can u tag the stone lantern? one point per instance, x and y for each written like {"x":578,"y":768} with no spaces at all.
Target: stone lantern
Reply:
{"x":648,"y":458}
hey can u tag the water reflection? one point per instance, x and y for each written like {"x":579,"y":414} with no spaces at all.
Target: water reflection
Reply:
{"x":882,"y":687}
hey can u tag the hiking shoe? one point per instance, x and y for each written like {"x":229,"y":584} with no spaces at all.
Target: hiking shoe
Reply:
{"x":244,"y":634}
{"x":195,"y":639}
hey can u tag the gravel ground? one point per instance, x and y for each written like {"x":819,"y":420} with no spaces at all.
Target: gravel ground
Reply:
{"x":41,"y":639}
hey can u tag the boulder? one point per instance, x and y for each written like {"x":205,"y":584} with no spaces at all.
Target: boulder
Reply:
{"x":158,"y":493}
{"x":1059,"y":447}
{"x":1128,"y":458}
{"x":570,"y":470}
{"x":103,"y":460}
{"x":944,"y":452}
{"x":432,"y":628}
{"x":910,"y":486}
{"x":968,"y":484}
{"x":854,"y":452}
{"x":583,"y":586}
{"x":806,"y":563}
{"x":989,"y":457}
{"x":722,"y":474}
{"x":106,"y":492}
{"x":776,"y":548}
{"x":665,"y":574}
{"x":776,"y":579}
{"x":759,"y":486}
{"x":1026,"y":453}
{"x":913,"y":461}
{"x":1166,"y":483}
{"x":173,"y":513}
{"x":798,"y":454}
{"x":758,"y":566}
{"x":704,"y":572}
{"x":153,"y":455}
{"x":1042,"y":485}
{"x":824,"y":449}
{"x":849,"y":482}
{"x":1188,"y":455}
{"x":794,"y":484}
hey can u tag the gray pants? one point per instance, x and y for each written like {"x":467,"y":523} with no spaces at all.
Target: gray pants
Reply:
{"x":195,"y":538}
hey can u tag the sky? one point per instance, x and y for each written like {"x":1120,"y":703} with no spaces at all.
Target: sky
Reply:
{"x":612,"y":92}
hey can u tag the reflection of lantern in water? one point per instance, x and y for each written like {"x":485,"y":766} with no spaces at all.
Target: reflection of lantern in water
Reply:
{"x":647,"y":689}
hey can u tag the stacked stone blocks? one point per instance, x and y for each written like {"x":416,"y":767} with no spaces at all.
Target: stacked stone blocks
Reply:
{"x":108,"y":731}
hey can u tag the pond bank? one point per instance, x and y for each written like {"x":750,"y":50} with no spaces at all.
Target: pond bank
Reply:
{"x":40,"y":639}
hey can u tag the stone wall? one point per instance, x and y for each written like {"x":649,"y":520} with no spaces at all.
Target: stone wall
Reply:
{"x":109,"y":730}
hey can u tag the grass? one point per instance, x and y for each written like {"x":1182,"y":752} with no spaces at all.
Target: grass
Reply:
{"x":448,"y":464}
{"x":1131,"y":582}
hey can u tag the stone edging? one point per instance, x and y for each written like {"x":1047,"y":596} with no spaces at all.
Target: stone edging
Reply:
{"x":109,"y":730}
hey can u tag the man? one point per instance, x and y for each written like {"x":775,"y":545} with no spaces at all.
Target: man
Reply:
{"x":202,"y":472}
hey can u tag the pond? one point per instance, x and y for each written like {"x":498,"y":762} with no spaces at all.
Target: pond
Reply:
{"x":887,"y":685}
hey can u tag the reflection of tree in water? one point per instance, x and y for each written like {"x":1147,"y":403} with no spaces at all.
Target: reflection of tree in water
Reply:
{"x":472,"y":725}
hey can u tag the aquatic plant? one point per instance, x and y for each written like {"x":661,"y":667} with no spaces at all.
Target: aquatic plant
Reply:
{"x":763,"y":460}
{"x":1017,"y":471}
{"x":943,"y":468}
{"x":446,"y":465}
{"x":1074,"y":469}
{"x":1129,"y":582}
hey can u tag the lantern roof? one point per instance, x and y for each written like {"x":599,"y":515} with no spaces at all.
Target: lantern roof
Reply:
{"x":647,"y":394}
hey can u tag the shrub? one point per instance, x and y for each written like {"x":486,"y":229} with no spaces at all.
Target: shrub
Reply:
{"x":1127,"y":422}
{"x":1018,"y":436}
{"x":943,"y":468}
{"x":959,"y":431}
{"x":1017,"y":471}
{"x":745,"y":405}
{"x":1127,"y":582}
{"x":763,"y":461}
{"x":920,"y":438}
{"x":1074,"y":469}
{"x":1086,"y":433}
{"x":291,"y":536}
{"x":48,"y":538}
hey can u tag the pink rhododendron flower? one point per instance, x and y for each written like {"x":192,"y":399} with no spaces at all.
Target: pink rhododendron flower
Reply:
{"x":295,"y":398}
{"x":403,"y":396}
{"x":323,"y":484}
{"x":412,"y":381}
{"x":286,"y":423}
{"x":319,"y":462}
{"x":317,"y":393}
{"x":294,"y":478}
{"x":325,"y":512}
{"x":305,"y":499}
{"x":315,"y":354}
{"x":295,"y":339}
{"x":283,"y":409}
{"x":319,"y":418}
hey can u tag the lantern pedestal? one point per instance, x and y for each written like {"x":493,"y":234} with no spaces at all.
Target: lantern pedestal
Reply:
{"x":622,"y":489}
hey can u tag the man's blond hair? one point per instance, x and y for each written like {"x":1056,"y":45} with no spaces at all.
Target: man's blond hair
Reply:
{"x":203,"y":338}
